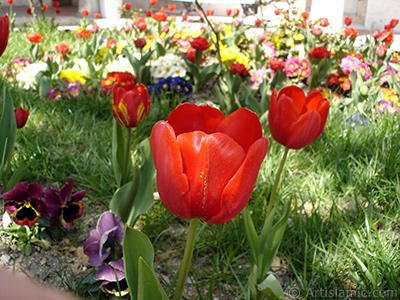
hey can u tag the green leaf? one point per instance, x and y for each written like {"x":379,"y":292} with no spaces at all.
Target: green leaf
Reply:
{"x":237,"y":82}
{"x":8,"y":128}
{"x":136,"y":245}
{"x":44,"y":86}
{"x":149,"y":287}
{"x":132,"y":59}
{"x":17,"y":176}
{"x":118,"y":153}
{"x":271,"y":288}
{"x":251,"y":233}
{"x":271,"y":240}
{"x":160,"y":49}
{"x":144,"y":199}
{"x":123,"y":200}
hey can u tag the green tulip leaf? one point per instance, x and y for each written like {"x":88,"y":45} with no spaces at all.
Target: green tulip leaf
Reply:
{"x":118,"y":153}
{"x":16,"y":176}
{"x":251,"y":233}
{"x":123,"y":200}
{"x":148,"y":286}
{"x":271,"y":288}
{"x":237,"y":82}
{"x":270,"y":242}
{"x":8,"y":128}
{"x":136,"y":245}
{"x":144,"y":199}
{"x":44,"y":86}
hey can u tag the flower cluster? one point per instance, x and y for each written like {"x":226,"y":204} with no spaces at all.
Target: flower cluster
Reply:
{"x":169,"y":65}
{"x":25,"y":204}
{"x":297,"y":68}
{"x":176,"y":84}
{"x":390,"y":102}
{"x":66,"y":91}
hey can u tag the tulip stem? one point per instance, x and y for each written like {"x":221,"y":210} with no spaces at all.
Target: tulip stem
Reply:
{"x":127,"y":156}
{"x":187,"y":257}
{"x":276,"y":183}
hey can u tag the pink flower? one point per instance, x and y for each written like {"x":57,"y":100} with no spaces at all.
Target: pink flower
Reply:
{"x":259,"y":75}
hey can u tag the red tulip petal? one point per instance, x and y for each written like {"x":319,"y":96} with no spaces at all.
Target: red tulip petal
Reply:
{"x":243,"y":126}
{"x":210,"y":161}
{"x":239,"y":189}
{"x":296,"y":94}
{"x":286,"y":114}
{"x":305,"y":130}
{"x":189,"y":117}
{"x":315,"y":101}
{"x":172,"y":184}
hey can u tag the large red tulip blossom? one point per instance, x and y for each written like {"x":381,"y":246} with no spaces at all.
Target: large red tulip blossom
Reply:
{"x":207,"y":164}
{"x":295,"y":120}
{"x":4,"y":31}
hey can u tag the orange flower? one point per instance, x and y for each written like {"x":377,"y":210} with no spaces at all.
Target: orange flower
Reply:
{"x":171,"y":7}
{"x":34,"y":37}
{"x":348,"y":21}
{"x":83,"y":33}
{"x":96,"y":15}
{"x":85,"y":12}
{"x":153,"y":2}
{"x":128,"y":6}
{"x":160,"y":15}
{"x":295,"y":120}
{"x":62,"y":48}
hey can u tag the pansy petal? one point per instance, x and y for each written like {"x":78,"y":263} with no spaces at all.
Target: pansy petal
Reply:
{"x":53,"y":201}
{"x":238,"y":191}
{"x":78,"y":196}
{"x":11,"y":206}
{"x":26,"y":215}
{"x":189,"y":117}
{"x":66,"y":190}
{"x":243,"y":126}
{"x":172,"y":183}
{"x":209,"y":161}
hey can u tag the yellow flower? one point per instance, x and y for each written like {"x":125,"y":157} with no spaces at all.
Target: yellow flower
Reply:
{"x":73,"y":75}
{"x":228,"y":30}
{"x":298,"y":37}
{"x":120,"y":47}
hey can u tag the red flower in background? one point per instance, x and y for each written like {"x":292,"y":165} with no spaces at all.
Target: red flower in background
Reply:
{"x":351,"y":32}
{"x":83,"y":33}
{"x":148,"y":13}
{"x":140,"y":23}
{"x":140,"y":43}
{"x":305,"y":15}
{"x":160,"y":15}
{"x":55,"y":4}
{"x":324,"y":22}
{"x":207,"y":164}
{"x":153,"y":2}
{"x":128,"y":6}
{"x":381,"y":51}
{"x":387,"y":33}
{"x":319,"y":53}
{"x":348,"y":21}
{"x":394,"y":22}
{"x":276,"y":64}
{"x":62,"y":48}
{"x":240,"y":69}
{"x":236,"y":12}
{"x":21,"y":116}
{"x":96,"y":15}
{"x":29,"y":11}
{"x":34,"y":37}
{"x":111,"y":43}
{"x":10,"y":1}
{"x":130,"y":106}
{"x":184,"y":17}
{"x":257,"y":22}
{"x":58,"y":11}
{"x":124,"y":79}
{"x":191,"y":55}
{"x":45,"y":7}
{"x":85,"y":12}
{"x":210,"y":12}
{"x":277,"y":12}
{"x":228,"y":11}
{"x":4,"y":32}
{"x":200,"y":43}
{"x":317,"y":31}
{"x":171,"y":7}
{"x":295,"y":120}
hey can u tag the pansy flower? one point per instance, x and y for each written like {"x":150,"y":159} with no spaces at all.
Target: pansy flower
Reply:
{"x":61,"y":205}
{"x":24,"y":203}
{"x":106,"y":240}
{"x":110,"y":274}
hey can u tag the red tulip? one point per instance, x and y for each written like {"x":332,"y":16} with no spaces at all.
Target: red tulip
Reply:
{"x":84,"y":12}
{"x":295,"y":120}
{"x":45,"y":7}
{"x":58,"y":11}
{"x":128,"y":6}
{"x":29,"y":11}
{"x":4,"y":31}
{"x":96,"y":15}
{"x":348,"y":21}
{"x":10,"y":1}
{"x":55,"y":4}
{"x":171,"y":7}
{"x":236,"y":12}
{"x":153,"y":2}
{"x":207,"y":164}
{"x":21,"y":116}
{"x":394,"y":22}
{"x":228,"y":11}
{"x":131,"y":106}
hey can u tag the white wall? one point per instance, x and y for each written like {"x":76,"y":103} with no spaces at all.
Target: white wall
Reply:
{"x":380,"y":12}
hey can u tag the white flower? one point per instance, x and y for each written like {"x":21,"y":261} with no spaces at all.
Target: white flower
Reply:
{"x":178,"y":71}
{"x":121,"y":64}
{"x":169,"y":65}
{"x":26,"y":76}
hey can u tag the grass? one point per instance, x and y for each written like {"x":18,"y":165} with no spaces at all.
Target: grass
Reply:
{"x":343,"y":232}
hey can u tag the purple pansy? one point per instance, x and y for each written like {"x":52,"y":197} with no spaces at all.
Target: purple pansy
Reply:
{"x":109,"y":275}
{"x":60,"y":204}
{"x":106,"y":240}
{"x":24,"y":203}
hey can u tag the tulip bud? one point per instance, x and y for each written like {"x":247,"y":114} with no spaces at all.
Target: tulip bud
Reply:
{"x":21,"y":116}
{"x":364,"y":90}
{"x":140,"y":43}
